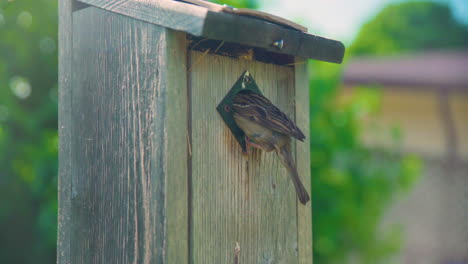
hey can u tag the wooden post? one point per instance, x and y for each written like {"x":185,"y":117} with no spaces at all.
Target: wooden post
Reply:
{"x":149,"y":173}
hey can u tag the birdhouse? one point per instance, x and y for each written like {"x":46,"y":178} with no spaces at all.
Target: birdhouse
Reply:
{"x":150,"y":170}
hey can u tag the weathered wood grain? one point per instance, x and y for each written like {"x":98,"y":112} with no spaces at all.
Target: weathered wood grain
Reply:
{"x":126,"y":123}
{"x":176,"y":151}
{"x":170,"y":14}
{"x":304,"y":213}
{"x":249,"y":200}
{"x":118,"y":190}
{"x":64,"y":130}
{"x":248,"y":12}
{"x":200,"y":21}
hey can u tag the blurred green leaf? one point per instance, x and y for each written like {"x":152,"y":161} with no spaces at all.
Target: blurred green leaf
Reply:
{"x":252,"y":4}
{"x":353,"y":185}
{"x":410,"y":26}
{"x":28,"y":131}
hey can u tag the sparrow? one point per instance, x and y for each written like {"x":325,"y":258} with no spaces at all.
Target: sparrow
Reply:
{"x":267,"y":128}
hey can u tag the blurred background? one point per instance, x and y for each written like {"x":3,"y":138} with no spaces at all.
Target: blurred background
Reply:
{"x":389,"y":130}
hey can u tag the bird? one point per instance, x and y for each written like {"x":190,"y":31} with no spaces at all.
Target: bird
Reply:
{"x":267,"y":128}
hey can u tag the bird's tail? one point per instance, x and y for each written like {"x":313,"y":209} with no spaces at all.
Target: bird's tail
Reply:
{"x":284,"y":154}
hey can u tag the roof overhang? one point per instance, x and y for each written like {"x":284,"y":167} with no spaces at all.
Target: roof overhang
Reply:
{"x":244,"y":27}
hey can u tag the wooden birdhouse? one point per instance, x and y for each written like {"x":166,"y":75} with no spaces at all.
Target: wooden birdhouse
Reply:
{"x":150,"y":172}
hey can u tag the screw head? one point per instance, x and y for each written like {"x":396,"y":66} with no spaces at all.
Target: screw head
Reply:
{"x":247,"y":79}
{"x":279,"y":44}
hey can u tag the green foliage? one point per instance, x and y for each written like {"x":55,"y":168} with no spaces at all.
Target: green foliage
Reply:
{"x":28,"y":131}
{"x":410,"y":26}
{"x":352,"y":186}
{"x":252,"y":4}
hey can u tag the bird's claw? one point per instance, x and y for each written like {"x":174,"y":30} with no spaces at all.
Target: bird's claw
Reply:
{"x":246,"y":152}
{"x":248,"y":147}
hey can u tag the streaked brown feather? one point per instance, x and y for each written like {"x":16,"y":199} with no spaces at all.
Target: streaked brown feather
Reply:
{"x":259,"y":109}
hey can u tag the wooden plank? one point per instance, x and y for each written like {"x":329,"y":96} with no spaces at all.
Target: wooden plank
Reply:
{"x":245,"y":30}
{"x":259,"y":33}
{"x":170,"y":14}
{"x":176,"y":152}
{"x":64,"y":130}
{"x":249,"y":200}
{"x":123,"y":138}
{"x":239,"y":51}
{"x":78,"y":5}
{"x":248,"y":12}
{"x":304,"y":213}
{"x":251,"y":32}
{"x":320,"y":48}
{"x":267,"y":17}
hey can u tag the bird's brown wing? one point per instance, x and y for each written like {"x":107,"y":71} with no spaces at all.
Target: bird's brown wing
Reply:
{"x":259,"y":109}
